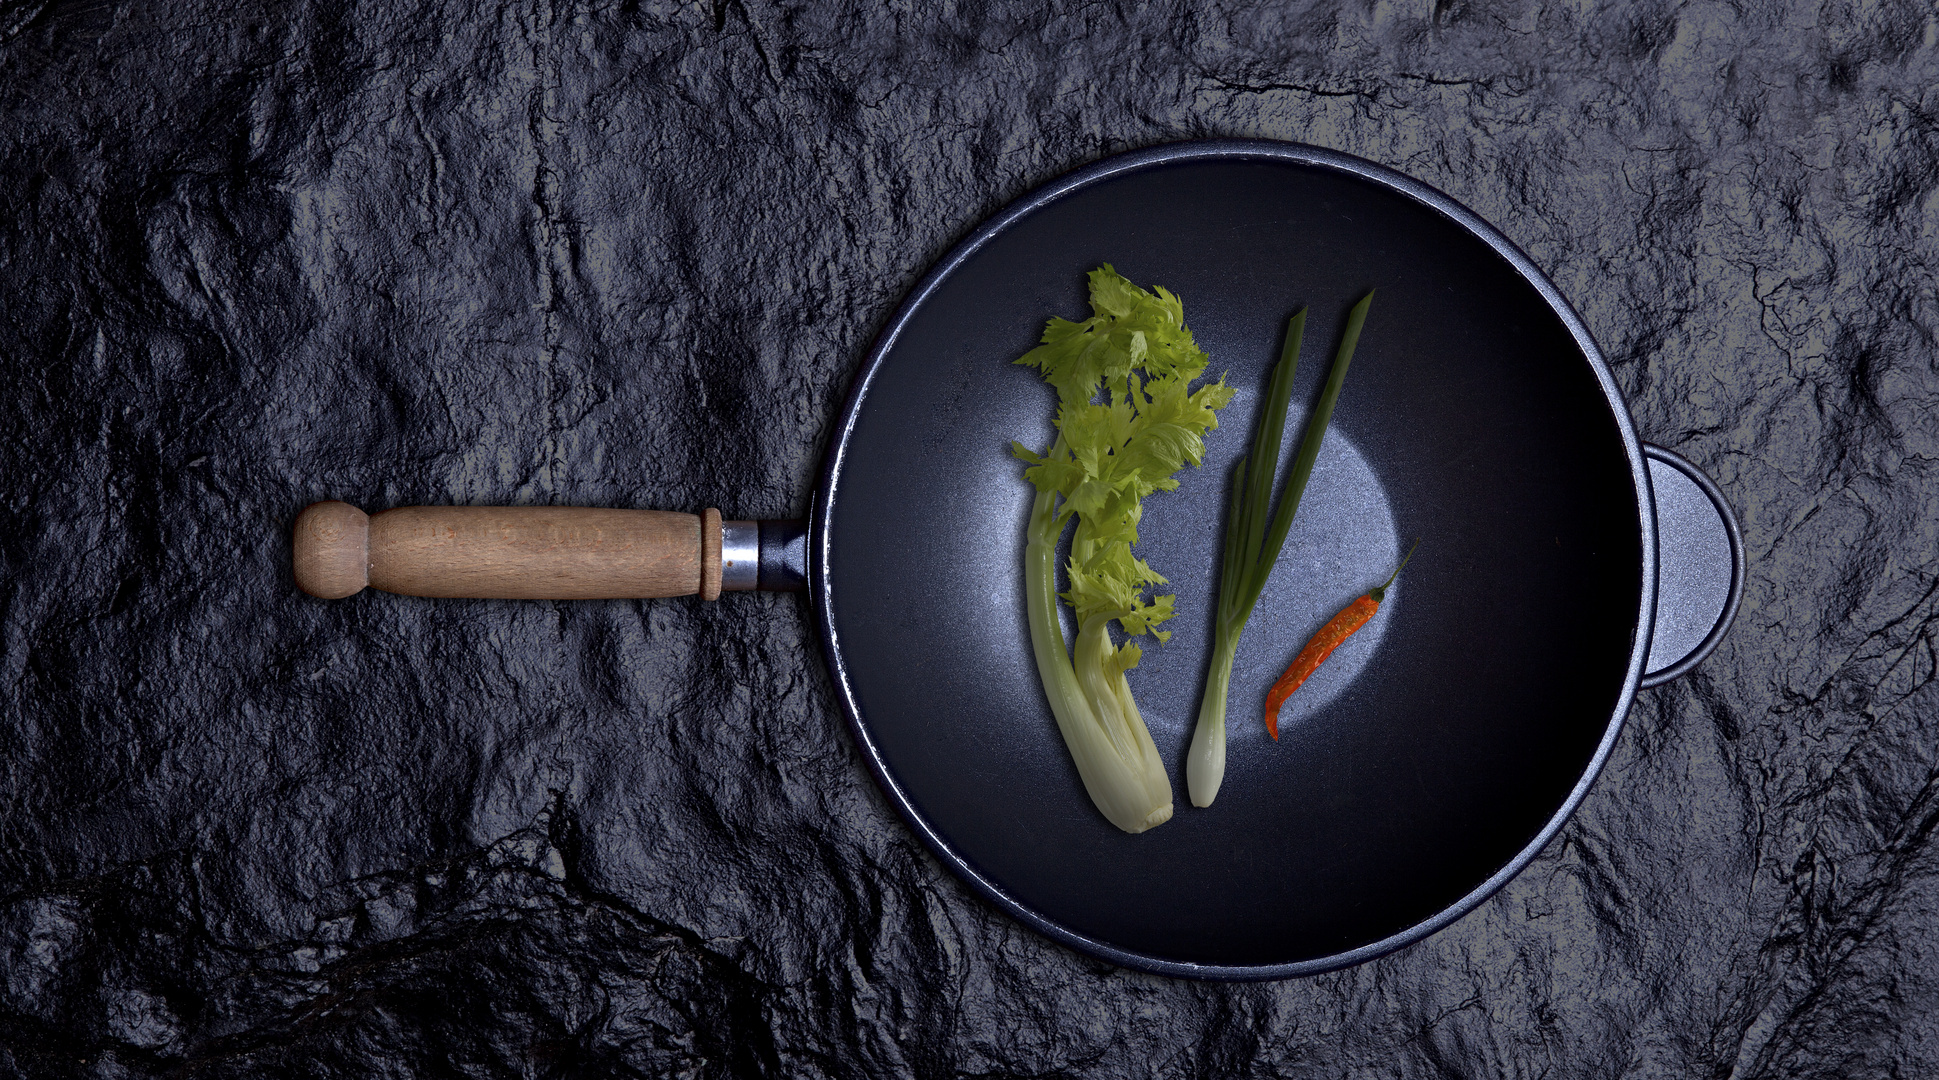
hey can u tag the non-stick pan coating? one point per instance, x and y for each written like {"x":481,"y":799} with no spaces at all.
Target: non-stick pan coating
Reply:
{"x":1436,"y":750}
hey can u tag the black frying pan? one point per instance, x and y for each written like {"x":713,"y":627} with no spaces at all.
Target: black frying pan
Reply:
{"x":1428,"y":760}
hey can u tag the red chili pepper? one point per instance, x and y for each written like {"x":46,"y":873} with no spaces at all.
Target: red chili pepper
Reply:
{"x":1337,"y":629}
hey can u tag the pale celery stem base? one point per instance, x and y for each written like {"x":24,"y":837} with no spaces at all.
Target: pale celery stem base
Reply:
{"x":1118,"y":785}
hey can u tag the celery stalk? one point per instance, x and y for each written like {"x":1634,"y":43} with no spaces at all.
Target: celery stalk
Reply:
{"x":1127,"y":419}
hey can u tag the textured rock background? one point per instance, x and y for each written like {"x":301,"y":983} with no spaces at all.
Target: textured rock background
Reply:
{"x":252,"y":255}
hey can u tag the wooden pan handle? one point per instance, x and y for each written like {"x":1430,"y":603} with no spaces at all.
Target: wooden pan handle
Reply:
{"x":510,"y":552}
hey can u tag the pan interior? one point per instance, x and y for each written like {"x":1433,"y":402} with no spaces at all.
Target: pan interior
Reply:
{"x":1430,"y":752}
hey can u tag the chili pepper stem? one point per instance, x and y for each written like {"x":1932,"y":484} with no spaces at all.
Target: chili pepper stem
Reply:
{"x":1379,"y":592}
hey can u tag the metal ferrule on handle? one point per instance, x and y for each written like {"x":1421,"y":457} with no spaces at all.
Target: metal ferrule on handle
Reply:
{"x":740,"y":555}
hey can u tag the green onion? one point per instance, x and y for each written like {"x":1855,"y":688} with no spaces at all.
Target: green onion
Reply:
{"x":1254,"y":535}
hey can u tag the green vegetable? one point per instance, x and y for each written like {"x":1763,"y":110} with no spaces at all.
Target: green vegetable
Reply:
{"x":1127,"y":419}
{"x":1251,"y":547}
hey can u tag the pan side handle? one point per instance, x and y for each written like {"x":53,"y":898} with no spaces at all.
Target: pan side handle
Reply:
{"x":517,"y":552}
{"x":1699,"y":566}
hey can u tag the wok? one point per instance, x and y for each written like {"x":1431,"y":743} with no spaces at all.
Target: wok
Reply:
{"x":1565,"y":564}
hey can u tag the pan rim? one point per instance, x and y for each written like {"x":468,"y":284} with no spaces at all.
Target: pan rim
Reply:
{"x":828,"y":492}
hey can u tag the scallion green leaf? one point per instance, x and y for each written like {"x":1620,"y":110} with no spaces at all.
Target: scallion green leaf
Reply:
{"x":1255,"y":534}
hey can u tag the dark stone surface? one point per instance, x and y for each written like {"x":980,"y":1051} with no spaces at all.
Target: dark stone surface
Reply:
{"x":256,"y":255}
